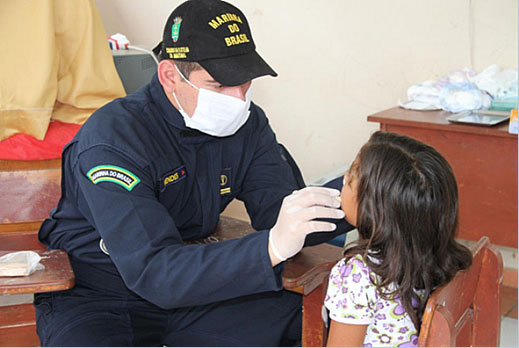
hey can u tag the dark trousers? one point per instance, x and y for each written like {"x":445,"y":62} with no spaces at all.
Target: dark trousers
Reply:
{"x":267,"y":319}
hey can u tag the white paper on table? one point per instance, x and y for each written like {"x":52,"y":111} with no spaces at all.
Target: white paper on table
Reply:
{"x":417,"y":105}
{"x":19,"y":263}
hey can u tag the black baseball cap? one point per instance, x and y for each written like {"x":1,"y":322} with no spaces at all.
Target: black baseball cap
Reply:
{"x":216,"y":35}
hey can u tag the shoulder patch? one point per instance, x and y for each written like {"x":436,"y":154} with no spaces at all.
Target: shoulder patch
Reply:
{"x":118,"y":175}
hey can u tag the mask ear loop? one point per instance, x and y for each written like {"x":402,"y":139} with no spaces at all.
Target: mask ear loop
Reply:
{"x":189,"y":82}
{"x":184,"y":78}
{"x":178,"y":103}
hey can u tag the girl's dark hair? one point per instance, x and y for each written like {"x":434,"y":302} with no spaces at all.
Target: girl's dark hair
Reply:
{"x":407,"y":218}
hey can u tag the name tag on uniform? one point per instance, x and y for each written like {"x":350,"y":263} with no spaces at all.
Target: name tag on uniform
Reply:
{"x":173,"y":177}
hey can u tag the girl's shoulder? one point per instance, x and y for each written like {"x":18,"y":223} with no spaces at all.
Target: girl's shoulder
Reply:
{"x":354,"y":269}
{"x":355,"y":262}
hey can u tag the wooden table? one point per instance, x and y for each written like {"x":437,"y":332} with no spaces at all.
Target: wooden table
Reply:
{"x":56,"y":276}
{"x":484,"y":160}
{"x":17,"y":321}
{"x":303,"y":274}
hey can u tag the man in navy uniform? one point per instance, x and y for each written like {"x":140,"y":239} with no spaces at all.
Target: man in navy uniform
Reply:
{"x":152,"y":171}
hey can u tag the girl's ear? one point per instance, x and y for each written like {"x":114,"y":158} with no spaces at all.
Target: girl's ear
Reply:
{"x":168,"y":75}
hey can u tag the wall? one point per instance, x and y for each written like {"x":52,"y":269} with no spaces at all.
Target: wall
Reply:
{"x":341,"y":60}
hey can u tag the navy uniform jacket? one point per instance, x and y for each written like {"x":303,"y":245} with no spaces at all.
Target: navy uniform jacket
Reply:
{"x":136,"y":177}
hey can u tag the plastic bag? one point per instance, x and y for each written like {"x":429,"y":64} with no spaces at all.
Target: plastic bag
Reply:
{"x":463,"y":90}
{"x":498,"y":83}
{"x":426,"y":95}
{"x":19,"y":263}
{"x":461,"y":96}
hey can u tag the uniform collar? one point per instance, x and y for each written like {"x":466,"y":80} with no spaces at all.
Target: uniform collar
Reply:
{"x":173,"y":117}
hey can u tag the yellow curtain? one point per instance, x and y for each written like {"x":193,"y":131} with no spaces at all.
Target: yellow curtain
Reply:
{"x":55,"y":64}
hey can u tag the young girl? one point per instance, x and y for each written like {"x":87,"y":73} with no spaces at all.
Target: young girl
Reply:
{"x":402,"y":196}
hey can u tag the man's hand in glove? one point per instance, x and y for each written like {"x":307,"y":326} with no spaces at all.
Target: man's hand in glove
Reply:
{"x":295,"y":220}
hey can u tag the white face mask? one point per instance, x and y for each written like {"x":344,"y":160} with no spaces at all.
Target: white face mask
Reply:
{"x":216,"y":114}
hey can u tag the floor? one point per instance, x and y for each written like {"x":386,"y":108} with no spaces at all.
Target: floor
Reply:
{"x":509,"y":332}
{"x":509,"y":324}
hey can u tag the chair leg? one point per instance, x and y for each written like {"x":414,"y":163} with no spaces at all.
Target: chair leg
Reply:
{"x":18,"y":326}
{"x":313,"y":328}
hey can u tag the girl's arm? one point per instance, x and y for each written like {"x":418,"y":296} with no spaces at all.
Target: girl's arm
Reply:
{"x":346,"y":335}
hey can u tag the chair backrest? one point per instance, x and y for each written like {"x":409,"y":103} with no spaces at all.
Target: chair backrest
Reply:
{"x":466,"y":311}
{"x":29,"y":190}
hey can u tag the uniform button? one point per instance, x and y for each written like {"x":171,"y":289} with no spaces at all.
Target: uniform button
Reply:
{"x":102,"y":246}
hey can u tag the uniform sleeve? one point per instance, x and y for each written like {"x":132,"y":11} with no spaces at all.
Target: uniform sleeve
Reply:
{"x":268,"y":180}
{"x":342,"y":225}
{"x":118,"y":198}
{"x":351,"y":297}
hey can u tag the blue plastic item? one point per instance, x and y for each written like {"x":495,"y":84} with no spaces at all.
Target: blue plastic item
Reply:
{"x":338,"y":241}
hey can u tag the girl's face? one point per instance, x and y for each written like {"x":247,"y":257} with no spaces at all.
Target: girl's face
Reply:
{"x":349,"y":197}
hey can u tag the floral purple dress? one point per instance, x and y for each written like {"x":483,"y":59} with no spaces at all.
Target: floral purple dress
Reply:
{"x":352,"y":299}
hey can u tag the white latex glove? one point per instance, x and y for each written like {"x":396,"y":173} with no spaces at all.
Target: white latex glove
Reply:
{"x":294,"y":222}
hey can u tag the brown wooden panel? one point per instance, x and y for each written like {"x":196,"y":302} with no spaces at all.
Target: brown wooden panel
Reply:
{"x":17,"y":315}
{"x":28,"y":195}
{"x":464,"y":334}
{"x":12,"y":165}
{"x":313,"y":327}
{"x":487,"y":300}
{"x":442,"y":332}
{"x":459,"y":293}
{"x":510,"y":277}
{"x":509,"y":302}
{"x":20,"y":226}
{"x":22,"y":240}
{"x":18,"y":326}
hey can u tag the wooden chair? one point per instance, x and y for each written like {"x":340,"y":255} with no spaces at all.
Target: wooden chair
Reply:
{"x":465,"y":312}
{"x":29,"y":190}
